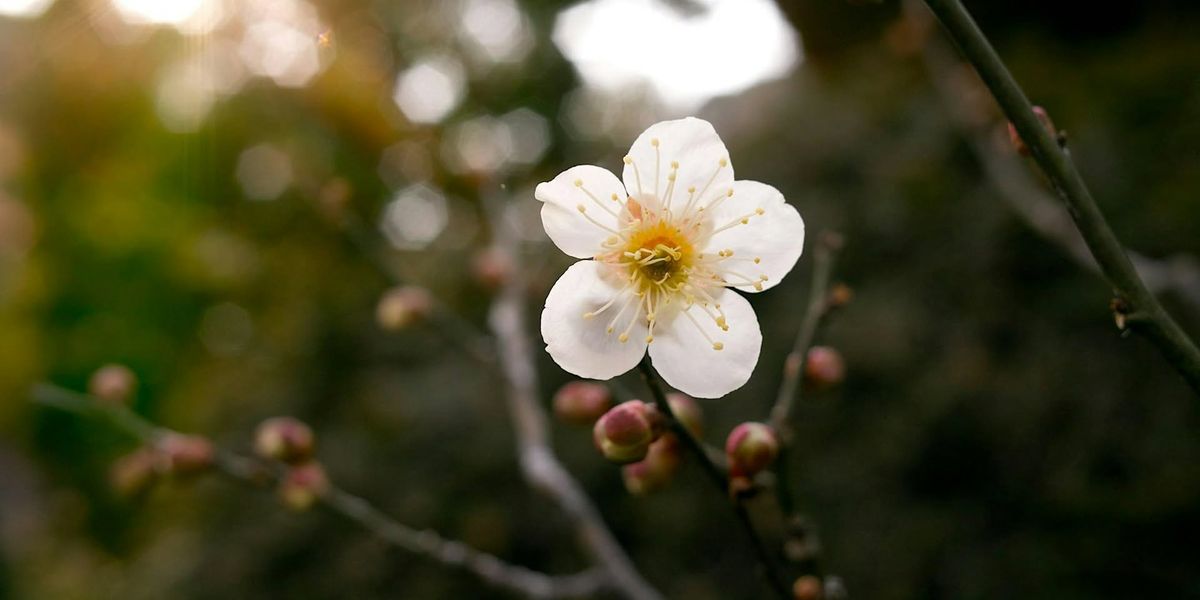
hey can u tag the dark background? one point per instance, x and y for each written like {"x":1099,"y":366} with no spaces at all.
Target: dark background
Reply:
{"x":996,"y":436}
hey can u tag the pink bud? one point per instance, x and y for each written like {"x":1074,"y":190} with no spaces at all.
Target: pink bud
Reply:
{"x":582,"y":402}
{"x":656,"y":470}
{"x":134,"y":474}
{"x":687,"y":412}
{"x":113,"y":384}
{"x":186,"y":454}
{"x":284,"y":439}
{"x":807,"y":587}
{"x":624,"y":433}
{"x":402,"y":306}
{"x":1019,"y":144}
{"x":303,"y":485}
{"x":751,"y":447}
{"x":492,"y":267}
{"x":824,"y":367}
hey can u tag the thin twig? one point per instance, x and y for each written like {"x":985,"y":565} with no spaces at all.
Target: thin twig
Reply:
{"x":1179,"y":273}
{"x":717,"y":475}
{"x":824,"y":257}
{"x":1137,"y":305}
{"x":538,"y":462}
{"x":486,"y":567}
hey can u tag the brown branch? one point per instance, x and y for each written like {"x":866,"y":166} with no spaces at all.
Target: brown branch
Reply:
{"x":717,"y":475}
{"x":1039,"y":209}
{"x":255,"y":473}
{"x":819,"y":305}
{"x":538,"y":462}
{"x":1139,"y":308}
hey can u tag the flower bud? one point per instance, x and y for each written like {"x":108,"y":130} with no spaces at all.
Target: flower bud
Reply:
{"x":186,"y":454}
{"x":113,"y":384}
{"x":135,"y":473}
{"x":807,"y":587}
{"x":402,"y":306}
{"x":303,"y":485}
{"x":687,"y":412}
{"x":624,"y":433}
{"x":1019,"y":144}
{"x":654,"y":472}
{"x":751,"y":447}
{"x":285,"y":439}
{"x":582,"y":402}
{"x":492,"y":267}
{"x":824,"y":367}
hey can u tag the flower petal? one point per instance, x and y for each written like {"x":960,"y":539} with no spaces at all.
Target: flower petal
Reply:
{"x":581,"y":345}
{"x":576,"y":233}
{"x":688,"y":361}
{"x":775,"y":238}
{"x":693,"y":144}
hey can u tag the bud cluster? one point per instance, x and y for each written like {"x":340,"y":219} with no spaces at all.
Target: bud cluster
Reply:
{"x":750,"y":448}
{"x":292,"y":442}
{"x":173,"y":455}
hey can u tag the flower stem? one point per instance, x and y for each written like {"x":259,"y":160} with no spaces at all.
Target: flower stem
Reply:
{"x":717,"y":475}
{"x":1153,"y":321}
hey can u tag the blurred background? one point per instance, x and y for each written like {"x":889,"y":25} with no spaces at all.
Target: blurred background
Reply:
{"x":216,"y":194}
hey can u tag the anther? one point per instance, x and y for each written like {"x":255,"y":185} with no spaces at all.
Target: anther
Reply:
{"x":757,"y":259}
{"x":624,"y":337}
{"x":578,"y":183}
{"x":581,"y":208}
{"x":718,"y":346}
{"x":674,"y":164}
{"x":723,"y":162}
{"x":654,"y":142}
{"x":628,"y":160}
{"x":759,"y":211}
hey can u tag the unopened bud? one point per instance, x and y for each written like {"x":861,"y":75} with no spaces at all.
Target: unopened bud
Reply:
{"x":303,"y":485}
{"x":807,"y":587}
{"x":624,"y":433}
{"x":186,"y":454}
{"x":113,"y":384}
{"x":135,"y":473}
{"x":824,"y":367}
{"x":285,"y":439}
{"x":751,"y":447}
{"x":654,"y":472}
{"x":840,"y":295}
{"x":1019,"y":144}
{"x":492,"y":267}
{"x":687,"y":412}
{"x":582,"y":402}
{"x":402,"y":306}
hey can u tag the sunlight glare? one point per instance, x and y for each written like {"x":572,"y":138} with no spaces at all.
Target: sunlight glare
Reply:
{"x":732,"y":46}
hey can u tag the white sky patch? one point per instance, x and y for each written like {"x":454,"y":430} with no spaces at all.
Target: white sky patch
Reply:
{"x":168,"y":12}
{"x":24,"y":8}
{"x":735,"y":44}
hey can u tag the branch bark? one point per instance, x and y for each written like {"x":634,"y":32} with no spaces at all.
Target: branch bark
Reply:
{"x":538,"y":462}
{"x":1139,"y":308}
{"x":255,"y":473}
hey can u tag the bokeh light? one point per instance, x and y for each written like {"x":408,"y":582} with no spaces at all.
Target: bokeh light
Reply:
{"x":24,"y":8}
{"x":430,"y":89}
{"x":415,"y":217}
{"x":730,"y":46}
{"x":496,"y":30}
{"x":264,"y":172}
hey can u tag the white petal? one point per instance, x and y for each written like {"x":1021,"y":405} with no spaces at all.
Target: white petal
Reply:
{"x":580,"y":234}
{"x":583,"y":346}
{"x":688,"y":361}
{"x":693,"y":144}
{"x":775,"y":237}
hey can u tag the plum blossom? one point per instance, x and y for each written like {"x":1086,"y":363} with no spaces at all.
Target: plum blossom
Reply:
{"x":663,"y":246}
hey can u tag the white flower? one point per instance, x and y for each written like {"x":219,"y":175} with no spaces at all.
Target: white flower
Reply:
{"x":665,"y":248}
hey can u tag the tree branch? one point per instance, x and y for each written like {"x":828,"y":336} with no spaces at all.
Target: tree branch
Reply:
{"x":824,"y":256}
{"x":538,"y":462}
{"x":1139,"y":307}
{"x":717,"y":475}
{"x":486,"y":567}
{"x":1013,"y":183}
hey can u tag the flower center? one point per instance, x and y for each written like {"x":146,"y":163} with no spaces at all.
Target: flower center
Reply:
{"x":658,"y":257}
